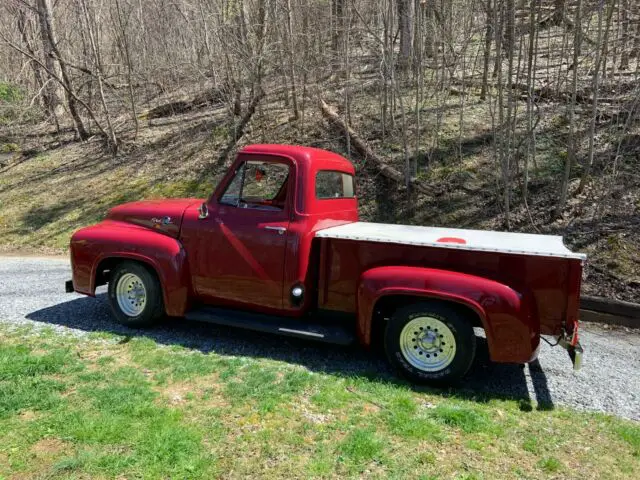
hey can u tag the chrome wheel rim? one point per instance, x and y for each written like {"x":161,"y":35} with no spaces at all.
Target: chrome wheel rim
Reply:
{"x":428,"y":344}
{"x":131,"y":295}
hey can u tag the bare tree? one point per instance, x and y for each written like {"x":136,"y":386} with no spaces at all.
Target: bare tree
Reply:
{"x":405,"y":20}
{"x":434,"y":70}
{"x":122,"y":38}
{"x":53,"y":92}
{"x":487,"y":47}
{"x":337,"y":16}
{"x":292,"y":70}
{"x":531,"y":78}
{"x":570,"y":159}
{"x":90,"y":25}
{"x":25,"y":26}
{"x":595,"y":82}
{"x":558,"y":16}
{"x":624,"y":54}
{"x":56,"y":66}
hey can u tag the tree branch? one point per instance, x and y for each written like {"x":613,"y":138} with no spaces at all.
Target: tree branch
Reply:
{"x":57,"y":79}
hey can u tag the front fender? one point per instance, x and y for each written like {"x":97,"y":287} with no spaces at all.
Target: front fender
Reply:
{"x":512,"y":331}
{"x":91,"y":246}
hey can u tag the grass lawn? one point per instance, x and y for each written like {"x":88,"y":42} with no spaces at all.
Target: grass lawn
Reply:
{"x":107,"y":406}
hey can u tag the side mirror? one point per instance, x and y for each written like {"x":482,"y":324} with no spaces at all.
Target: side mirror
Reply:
{"x":203,"y":211}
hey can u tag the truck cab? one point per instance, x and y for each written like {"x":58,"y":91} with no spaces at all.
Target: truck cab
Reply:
{"x":251,"y":241}
{"x":278,"y":248}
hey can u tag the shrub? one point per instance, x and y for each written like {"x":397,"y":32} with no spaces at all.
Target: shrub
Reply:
{"x":9,"y":148}
{"x":10,"y":93}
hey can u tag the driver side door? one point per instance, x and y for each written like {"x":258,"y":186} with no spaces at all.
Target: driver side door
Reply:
{"x":242,"y":244}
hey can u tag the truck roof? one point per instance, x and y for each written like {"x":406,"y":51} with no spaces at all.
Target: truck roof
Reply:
{"x":305,"y":156}
{"x":478,"y":240}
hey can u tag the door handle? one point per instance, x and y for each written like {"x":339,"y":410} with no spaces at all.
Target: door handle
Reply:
{"x":280,"y":230}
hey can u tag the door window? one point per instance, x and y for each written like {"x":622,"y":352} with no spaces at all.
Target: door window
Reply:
{"x":259,"y":185}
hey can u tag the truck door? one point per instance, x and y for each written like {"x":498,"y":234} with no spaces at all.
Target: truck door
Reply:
{"x":242,"y":243}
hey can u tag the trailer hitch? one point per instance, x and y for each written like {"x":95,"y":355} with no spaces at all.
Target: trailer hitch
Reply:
{"x":572,"y":345}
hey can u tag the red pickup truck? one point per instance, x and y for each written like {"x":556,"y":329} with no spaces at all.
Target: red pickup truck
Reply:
{"x":278,"y":248}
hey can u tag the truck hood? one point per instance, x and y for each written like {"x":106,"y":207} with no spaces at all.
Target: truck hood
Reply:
{"x":161,"y":215}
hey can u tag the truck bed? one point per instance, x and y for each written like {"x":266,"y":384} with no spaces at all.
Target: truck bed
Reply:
{"x":453,"y":238}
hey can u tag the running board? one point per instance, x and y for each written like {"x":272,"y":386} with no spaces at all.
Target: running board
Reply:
{"x":311,"y":330}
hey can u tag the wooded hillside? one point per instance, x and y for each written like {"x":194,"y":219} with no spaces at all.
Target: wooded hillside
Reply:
{"x":506,"y":114}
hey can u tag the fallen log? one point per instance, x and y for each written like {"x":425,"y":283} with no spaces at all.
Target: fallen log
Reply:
{"x":365,"y":150}
{"x":178,"y":107}
{"x":608,"y":318}
{"x":611,"y":306}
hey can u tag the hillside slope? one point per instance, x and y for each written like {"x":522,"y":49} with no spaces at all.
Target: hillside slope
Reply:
{"x":51,"y":186}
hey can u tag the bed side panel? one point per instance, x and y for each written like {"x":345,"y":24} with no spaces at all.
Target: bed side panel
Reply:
{"x":543,"y":279}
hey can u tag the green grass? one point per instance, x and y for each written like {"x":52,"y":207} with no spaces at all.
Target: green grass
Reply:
{"x":531,"y":444}
{"x":361,"y":447}
{"x":44,"y":201}
{"x":468,"y":419}
{"x":631,"y":435}
{"x":24,"y":378}
{"x":550,"y":464}
{"x":100,"y":407}
{"x":10,"y":93}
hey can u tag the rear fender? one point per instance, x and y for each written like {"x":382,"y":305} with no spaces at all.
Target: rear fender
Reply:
{"x":512,"y":331}
{"x":91,"y":247}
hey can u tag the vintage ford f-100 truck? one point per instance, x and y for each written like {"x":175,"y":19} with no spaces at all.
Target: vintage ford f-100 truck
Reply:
{"x":278,"y":248}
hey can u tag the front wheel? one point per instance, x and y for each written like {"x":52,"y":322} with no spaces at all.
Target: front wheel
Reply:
{"x":135,"y":295}
{"x":430,"y":342}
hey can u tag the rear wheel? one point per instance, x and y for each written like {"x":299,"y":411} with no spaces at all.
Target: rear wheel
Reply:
{"x":430,"y":342}
{"x":135,"y":295}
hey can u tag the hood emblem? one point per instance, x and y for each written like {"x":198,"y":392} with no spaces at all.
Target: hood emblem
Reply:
{"x":161,"y":221}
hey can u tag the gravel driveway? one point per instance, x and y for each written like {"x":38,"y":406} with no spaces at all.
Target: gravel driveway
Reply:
{"x":32,"y":292}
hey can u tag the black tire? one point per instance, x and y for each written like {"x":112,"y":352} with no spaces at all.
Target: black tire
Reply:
{"x":154,"y":306}
{"x":455,"y":320}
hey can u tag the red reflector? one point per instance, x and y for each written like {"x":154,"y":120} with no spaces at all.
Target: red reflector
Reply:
{"x":461,"y":241}
{"x":575,"y":337}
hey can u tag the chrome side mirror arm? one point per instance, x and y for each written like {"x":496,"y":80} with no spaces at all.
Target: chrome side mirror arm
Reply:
{"x":203,"y":211}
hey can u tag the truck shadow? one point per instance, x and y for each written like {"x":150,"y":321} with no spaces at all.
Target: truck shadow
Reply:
{"x":526,"y":384}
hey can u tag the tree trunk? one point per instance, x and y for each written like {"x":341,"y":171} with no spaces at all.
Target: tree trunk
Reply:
{"x":624,"y":54}
{"x":558,"y":16}
{"x":530,"y":88}
{"x":125,"y":47}
{"x":292,"y":70}
{"x":636,"y":41}
{"x":347,"y":78}
{"x":429,"y":39}
{"x":498,"y":26}
{"x":53,"y":92}
{"x":50,"y":45}
{"x":571,"y":152}
{"x":506,"y":164}
{"x":93,"y":41}
{"x":405,"y":24}
{"x":487,"y":49}
{"x":261,"y":33}
{"x":418,"y":69}
{"x":595,"y":82}
{"x":23,"y":26}
{"x":337,"y":14}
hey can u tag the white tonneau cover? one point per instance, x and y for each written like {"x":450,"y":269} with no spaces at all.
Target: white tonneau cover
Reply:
{"x":481,"y":240}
